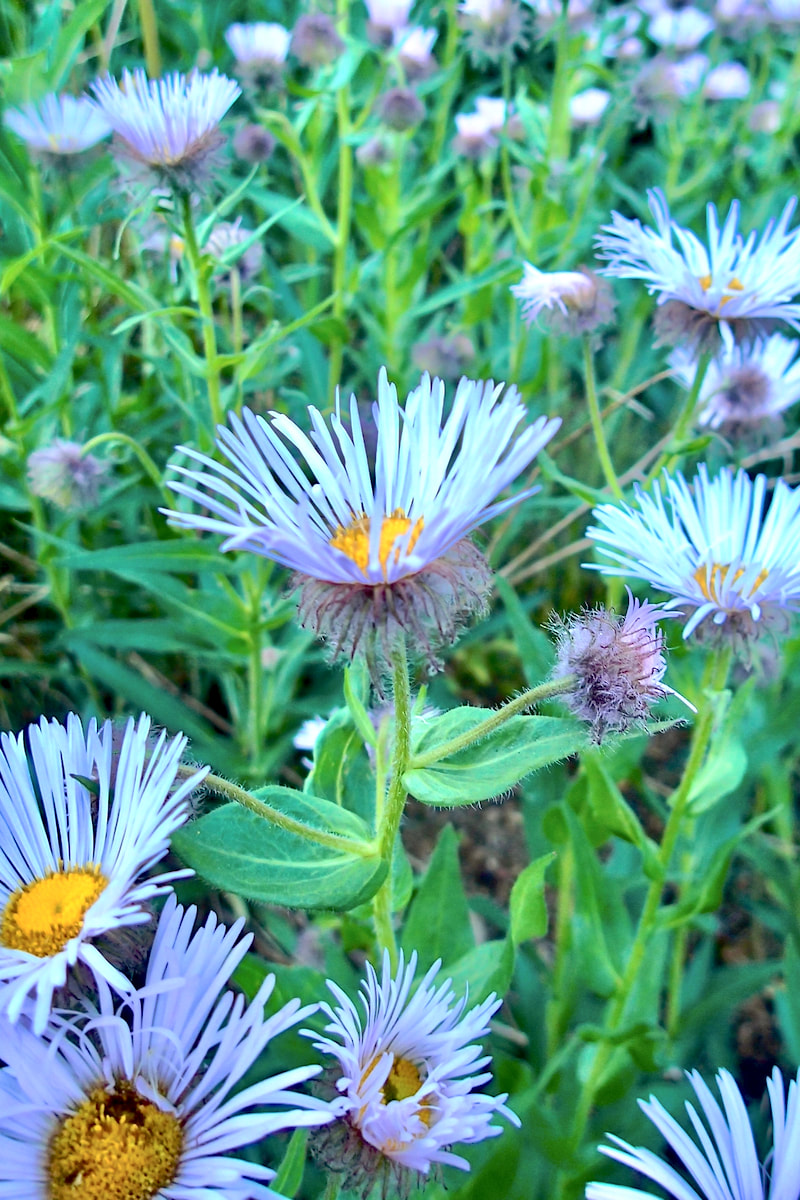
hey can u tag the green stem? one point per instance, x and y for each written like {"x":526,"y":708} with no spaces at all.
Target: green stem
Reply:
{"x":392,"y":810}
{"x":609,"y":473}
{"x":716,"y":676}
{"x":332,"y":1187}
{"x":685,"y":421}
{"x":558,"y":134}
{"x":254,"y":673}
{"x":505,"y":168}
{"x":144,"y":458}
{"x":232,"y":791}
{"x":152,"y":53}
{"x":390,"y":195}
{"x":345,"y":202}
{"x":201,"y":276}
{"x":542,"y":691}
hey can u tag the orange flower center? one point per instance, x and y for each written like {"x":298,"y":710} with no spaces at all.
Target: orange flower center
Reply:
{"x":353,"y":539}
{"x":734,"y":285}
{"x":710,"y":580}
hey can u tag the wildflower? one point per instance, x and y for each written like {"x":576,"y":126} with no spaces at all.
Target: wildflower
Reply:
{"x":725,"y":1163}
{"x":414,"y":45}
{"x":783,"y":12}
{"x":260,"y":49}
{"x":765,"y":117}
{"x":401,"y":108}
{"x":735,"y":290}
{"x":618,"y":664}
{"x":587,"y":107}
{"x":727,"y":81}
{"x":139,"y":1100}
{"x":745,"y":388}
{"x":714,"y":551}
{"x":315,"y":42}
{"x":59,"y":125}
{"x":385,"y":18}
{"x":446,"y":356}
{"x":225,"y":243}
{"x":408,"y":1071}
{"x":578,"y":301}
{"x":168,"y":126}
{"x":375,"y":152}
{"x":61,"y":472}
{"x":548,"y":13}
{"x":495,"y":28}
{"x":476,"y":132}
{"x":680,"y":28}
{"x":253,"y":143}
{"x":378,"y":546}
{"x":76,"y":867}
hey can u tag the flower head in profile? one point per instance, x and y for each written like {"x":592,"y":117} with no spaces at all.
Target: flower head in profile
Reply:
{"x":83,"y":818}
{"x":227,"y":243}
{"x":746,"y":388}
{"x":725,"y":1163}
{"x":414,"y":45}
{"x":61,"y":472}
{"x":712,"y":547}
{"x":495,"y":29}
{"x":386,"y":17}
{"x":734,"y":289}
{"x":140,"y":1099}
{"x":576,"y":301}
{"x":59,"y":125}
{"x":170,"y":126}
{"x":378,"y":540}
{"x":477,"y":132}
{"x":260,"y":49}
{"x":617,"y":662}
{"x":409,"y":1071}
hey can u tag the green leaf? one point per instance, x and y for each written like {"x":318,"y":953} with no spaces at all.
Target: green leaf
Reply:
{"x":438,"y":924}
{"x":235,"y":849}
{"x":528,"y":908}
{"x":536,"y":650}
{"x":726,"y":763}
{"x":290,"y":1173}
{"x":493,"y":765}
{"x":612,"y":812}
{"x":488,"y":968}
{"x":342,"y":773}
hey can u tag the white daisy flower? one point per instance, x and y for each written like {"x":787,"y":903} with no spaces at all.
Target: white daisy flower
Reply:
{"x":368,"y":523}
{"x":725,"y":1165}
{"x":587,"y":107}
{"x":259,"y":43}
{"x":59,"y":124}
{"x":727,"y":81}
{"x":583,"y":301}
{"x":735,"y":288}
{"x":138,"y":1101}
{"x":80,"y":829}
{"x":744,"y":387}
{"x":713,"y":548}
{"x":680,"y":28}
{"x":408,"y":1071}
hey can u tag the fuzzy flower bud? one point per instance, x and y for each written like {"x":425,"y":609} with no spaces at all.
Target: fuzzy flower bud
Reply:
{"x":401,"y":109}
{"x":253,"y":144}
{"x":315,"y":42}
{"x":62,"y":473}
{"x":618,"y":664}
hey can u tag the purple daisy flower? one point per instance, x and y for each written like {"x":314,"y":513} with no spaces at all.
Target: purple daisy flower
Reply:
{"x":59,"y":125}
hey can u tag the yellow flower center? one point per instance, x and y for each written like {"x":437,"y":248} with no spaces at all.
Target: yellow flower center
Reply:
{"x":710,"y":580}
{"x":734,"y":285}
{"x":353,"y":539}
{"x":116,"y":1146}
{"x":42,"y":916}
{"x":404,"y":1080}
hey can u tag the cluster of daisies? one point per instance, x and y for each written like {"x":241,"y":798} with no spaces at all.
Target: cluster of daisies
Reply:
{"x":125,"y":1049}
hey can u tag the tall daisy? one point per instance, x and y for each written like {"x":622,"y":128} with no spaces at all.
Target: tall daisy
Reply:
{"x":140,"y":1099}
{"x":59,"y":125}
{"x":725,"y":1165}
{"x":711,"y":546}
{"x":168,"y":126}
{"x":408,"y":1070}
{"x":734,"y":288}
{"x":80,"y":829}
{"x":378,"y":541}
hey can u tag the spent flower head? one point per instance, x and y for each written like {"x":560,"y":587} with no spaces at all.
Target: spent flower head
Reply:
{"x":712,"y":547}
{"x":746,"y":389}
{"x":61,"y":472}
{"x":59,"y":125}
{"x":725,"y":1163}
{"x":495,"y":29}
{"x":409,"y":1071}
{"x":617,"y":662}
{"x":141,"y":1099}
{"x":378,"y":542}
{"x":315,"y":41}
{"x":83,"y":818}
{"x":735,"y":289}
{"x":168,"y":127}
{"x":576,"y":301}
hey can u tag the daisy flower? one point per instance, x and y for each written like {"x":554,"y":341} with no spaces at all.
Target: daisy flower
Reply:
{"x":408,"y":1070}
{"x":376,"y":540}
{"x":138,"y":1100}
{"x":711,"y":546}
{"x":168,"y":125}
{"x":735,"y":288}
{"x":258,"y":44}
{"x":581,"y":301}
{"x":59,"y":124}
{"x":725,"y":1164}
{"x":744,"y":387}
{"x":80,"y":828}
